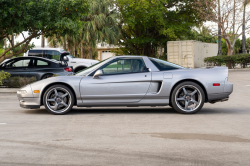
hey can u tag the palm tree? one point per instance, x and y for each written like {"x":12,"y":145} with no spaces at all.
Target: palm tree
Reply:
{"x":245,"y":3}
{"x":101,"y":24}
{"x":219,"y":30}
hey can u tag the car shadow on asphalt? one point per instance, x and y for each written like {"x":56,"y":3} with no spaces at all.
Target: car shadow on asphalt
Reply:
{"x":139,"y":110}
{"x":112,"y":110}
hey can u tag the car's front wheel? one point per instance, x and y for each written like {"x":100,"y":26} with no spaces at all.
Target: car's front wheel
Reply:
{"x":187,"y":98}
{"x":58,"y":99}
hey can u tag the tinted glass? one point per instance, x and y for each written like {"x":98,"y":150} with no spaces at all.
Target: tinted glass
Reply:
{"x":42,"y":63}
{"x":123,"y":66}
{"x":52,"y":54}
{"x":164,"y":65}
{"x":38,"y":53}
{"x":19,"y":63}
{"x":91,"y":68}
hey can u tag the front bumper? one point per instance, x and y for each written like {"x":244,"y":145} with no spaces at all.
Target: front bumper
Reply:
{"x":27,"y":100}
{"x":30,"y":103}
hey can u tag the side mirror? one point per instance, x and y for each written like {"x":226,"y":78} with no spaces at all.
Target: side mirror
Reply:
{"x":65,"y":59}
{"x":98,"y":73}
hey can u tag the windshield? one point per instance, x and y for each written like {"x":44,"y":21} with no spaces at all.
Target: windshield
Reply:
{"x":71,"y":56}
{"x":89,"y":69}
{"x":164,"y":65}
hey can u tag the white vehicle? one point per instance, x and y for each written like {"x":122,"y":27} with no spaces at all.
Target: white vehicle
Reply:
{"x":55,"y":53}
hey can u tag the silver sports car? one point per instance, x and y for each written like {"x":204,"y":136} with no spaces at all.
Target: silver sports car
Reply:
{"x":130,"y":81}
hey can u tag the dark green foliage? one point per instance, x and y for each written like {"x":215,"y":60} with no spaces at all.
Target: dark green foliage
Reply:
{"x":18,"y":82}
{"x":201,"y":33}
{"x":47,"y":17}
{"x":4,"y":76}
{"x":241,"y":59}
{"x":147,"y":25}
{"x":1,"y":43}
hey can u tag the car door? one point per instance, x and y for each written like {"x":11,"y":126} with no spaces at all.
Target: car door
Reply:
{"x":18,"y":67}
{"x":124,"y":80}
{"x":40,"y":68}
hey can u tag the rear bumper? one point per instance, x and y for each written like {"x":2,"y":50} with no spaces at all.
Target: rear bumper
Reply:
{"x":220,"y":100}
{"x":215,"y":97}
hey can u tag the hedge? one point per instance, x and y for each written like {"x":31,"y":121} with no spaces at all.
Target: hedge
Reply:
{"x":18,"y":82}
{"x":231,"y":61}
{"x":3,"y":76}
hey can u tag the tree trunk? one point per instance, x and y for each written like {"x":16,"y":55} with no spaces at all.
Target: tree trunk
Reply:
{"x":244,"y":51}
{"x":230,"y":49}
{"x":75,"y":51}
{"x":219,"y":29}
{"x":64,"y":45}
{"x":12,"y":40}
{"x":90,"y":53}
{"x":42,"y":41}
{"x":5,"y":43}
{"x":82,"y":51}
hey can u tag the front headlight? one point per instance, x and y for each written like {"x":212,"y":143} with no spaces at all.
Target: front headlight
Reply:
{"x":21,"y":92}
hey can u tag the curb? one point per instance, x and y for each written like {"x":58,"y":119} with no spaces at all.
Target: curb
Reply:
{"x":239,"y":69}
{"x":8,"y":90}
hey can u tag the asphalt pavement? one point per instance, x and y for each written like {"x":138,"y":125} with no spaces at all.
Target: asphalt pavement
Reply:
{"x":218,"y":135}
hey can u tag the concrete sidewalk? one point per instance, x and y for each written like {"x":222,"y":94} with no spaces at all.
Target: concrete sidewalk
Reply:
{"x":8,"y":90}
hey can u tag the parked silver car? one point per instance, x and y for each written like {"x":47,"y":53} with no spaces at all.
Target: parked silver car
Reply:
{"x":130,"y":81}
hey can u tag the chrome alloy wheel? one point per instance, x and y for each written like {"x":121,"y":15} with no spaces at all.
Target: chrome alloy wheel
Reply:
{"x":58,"y":100}
{"x":188,"y":98}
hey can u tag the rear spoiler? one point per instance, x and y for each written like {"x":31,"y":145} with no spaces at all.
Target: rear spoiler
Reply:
{"x":63,"y":55}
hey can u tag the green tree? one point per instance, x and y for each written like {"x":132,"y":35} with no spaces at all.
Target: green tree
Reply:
{"x":47,"y":17}
{"x":101,"y":26}
{"x":201,"y":33}
{"x":245,"y":3}
{"x":238,"y":46}
{"x":147,"y":25}
{"x":223,"y":47}
{"x":248,"y":45}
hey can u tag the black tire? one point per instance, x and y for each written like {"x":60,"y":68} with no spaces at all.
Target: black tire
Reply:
{"x":57,"y":100}
{"x":79,"y":69}
{"x":47,"y":76}
{"x":181,"y":101}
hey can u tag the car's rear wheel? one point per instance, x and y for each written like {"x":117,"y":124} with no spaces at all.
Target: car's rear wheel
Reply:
{"x":58,"y":99}
{"x":187,"y":98}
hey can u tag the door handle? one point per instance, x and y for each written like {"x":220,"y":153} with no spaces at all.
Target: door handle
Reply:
{"x":73,"y":62}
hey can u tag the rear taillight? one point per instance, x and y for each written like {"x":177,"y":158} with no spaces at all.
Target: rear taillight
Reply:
{"x":68,"y":69}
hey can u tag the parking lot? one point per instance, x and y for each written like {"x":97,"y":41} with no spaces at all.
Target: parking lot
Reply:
{"x":218,"y":135}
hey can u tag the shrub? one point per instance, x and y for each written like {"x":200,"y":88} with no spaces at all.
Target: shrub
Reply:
{"x":18,"y":82}
{"x":231,"y":61}
{"x":3,"y":76}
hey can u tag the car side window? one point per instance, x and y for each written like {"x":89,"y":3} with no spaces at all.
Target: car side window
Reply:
{"x":41,"y":63}
{"x":124,"y":66}
{"x":19,"y":63}
{"x":52,"y":54}
{"x":164,"y":65}
{"x":38,"y":53}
